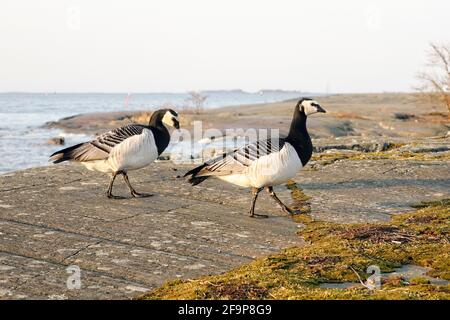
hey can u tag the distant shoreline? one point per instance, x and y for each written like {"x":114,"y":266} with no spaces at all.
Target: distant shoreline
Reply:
{"x":360,"y":115}
{"x":363,"y":118}
{"x":165,"y":92}
{"x":25,"y":135}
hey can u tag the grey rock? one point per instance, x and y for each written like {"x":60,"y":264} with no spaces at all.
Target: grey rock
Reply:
{"x":57,"y":216}
{"x":60,"y":141}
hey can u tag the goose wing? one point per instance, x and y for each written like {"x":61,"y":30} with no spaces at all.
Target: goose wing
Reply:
{"x":99,"y":148}
{"x":238,"y":160}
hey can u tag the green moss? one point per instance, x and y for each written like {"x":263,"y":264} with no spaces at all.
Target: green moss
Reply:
{"x":424,"y":204}
{"x":419,"y":280}
{"x":300,"y":199}
{"x":333,"y":253}
{"x":393,"y":146}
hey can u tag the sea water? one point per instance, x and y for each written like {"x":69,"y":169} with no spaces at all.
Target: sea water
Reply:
{"x":23,"y":140}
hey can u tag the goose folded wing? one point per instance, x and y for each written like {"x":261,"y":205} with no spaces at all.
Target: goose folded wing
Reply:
{"x":238,"y":160}
{"x":101,"y":147}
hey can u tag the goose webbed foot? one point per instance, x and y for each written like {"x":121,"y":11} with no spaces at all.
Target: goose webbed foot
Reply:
{"x":288,"y":210}
{"x":133,"y":192}
{"x":140,"y":195}
{"x":283,"y":207}
{"x":295,"y":212}
{"x":111,"y":196}
{"x":255,"y":215}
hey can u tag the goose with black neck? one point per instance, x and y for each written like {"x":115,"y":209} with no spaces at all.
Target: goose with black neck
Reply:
{"x":265,"y":163}
{"x":123,"y":149}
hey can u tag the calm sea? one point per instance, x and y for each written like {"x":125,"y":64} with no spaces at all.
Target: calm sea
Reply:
{"x":23,"y":141}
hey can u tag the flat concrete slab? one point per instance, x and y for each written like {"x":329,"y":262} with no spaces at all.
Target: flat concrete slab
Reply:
{"x":58,"y":216}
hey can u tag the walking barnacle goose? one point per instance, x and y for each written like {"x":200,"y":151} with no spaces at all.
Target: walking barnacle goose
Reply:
{"x":123,"y":149}
{"x":264,"y":163}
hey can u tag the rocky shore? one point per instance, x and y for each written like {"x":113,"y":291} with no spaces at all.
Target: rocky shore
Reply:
{"x":360,"y":115}
{"x":58,"y":216}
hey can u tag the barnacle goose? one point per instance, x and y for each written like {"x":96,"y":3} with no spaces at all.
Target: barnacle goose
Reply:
{"x":264,"y":163}
{"x":123,"y":149}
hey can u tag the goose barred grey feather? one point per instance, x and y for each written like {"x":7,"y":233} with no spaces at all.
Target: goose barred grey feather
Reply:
{"x":238,"y":160}
{"x":99,"y":148}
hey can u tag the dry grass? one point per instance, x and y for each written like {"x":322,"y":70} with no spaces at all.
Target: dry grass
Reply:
{"x":348,"y":115}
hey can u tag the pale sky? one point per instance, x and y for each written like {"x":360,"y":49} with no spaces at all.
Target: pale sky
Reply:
{"x":179,"y":45}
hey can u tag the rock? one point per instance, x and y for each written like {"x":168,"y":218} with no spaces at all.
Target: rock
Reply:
{"x":375,"y":146}
{"x":148,"y":241}
{"x":164,"y":157}
{"x":59,"y":141}
{"x":430,"y":149}
{"x":64,"y":221}
{"x":403,"y":116}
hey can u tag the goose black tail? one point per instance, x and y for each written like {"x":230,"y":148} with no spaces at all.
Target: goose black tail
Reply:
{"x":193,"y":179}
{"x":64,"y":154}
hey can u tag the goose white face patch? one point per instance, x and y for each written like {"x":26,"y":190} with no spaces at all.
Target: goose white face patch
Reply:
{"x":171,"y":119}
{"x":309,"y":107}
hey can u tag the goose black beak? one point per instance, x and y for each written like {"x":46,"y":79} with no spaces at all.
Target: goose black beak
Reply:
{"x":320,"y":109}
{"x":176,"y":124}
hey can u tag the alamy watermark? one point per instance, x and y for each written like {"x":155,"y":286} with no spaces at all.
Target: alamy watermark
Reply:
{"x":73,"y":18}
{"x":374,"y":281}
{"x":199,"y":146}
{"x":74,"y":280}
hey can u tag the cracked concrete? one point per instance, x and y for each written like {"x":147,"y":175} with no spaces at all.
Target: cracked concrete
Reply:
{"x":57,"y":216}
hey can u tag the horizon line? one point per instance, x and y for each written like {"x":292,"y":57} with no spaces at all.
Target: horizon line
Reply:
{"x":203,"y":90}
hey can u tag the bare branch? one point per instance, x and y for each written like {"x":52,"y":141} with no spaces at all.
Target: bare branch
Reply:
{"x":197,"y":99}
{"x":435,"y":79}
{"x":441,"y":55}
